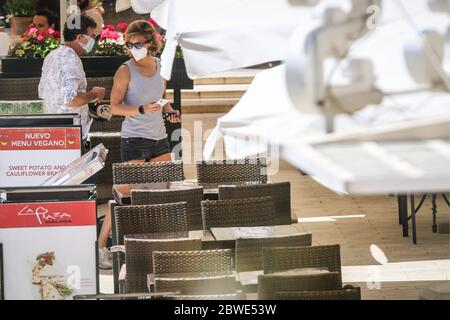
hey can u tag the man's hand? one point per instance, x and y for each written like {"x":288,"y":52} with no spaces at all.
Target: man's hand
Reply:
{"x":152,"y":108}
{"x":99,"y":92}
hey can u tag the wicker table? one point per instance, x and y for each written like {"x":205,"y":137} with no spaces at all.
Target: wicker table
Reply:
{"x":232,"y":233}
{"x":226,"y":237}
{"x":206,"y":237}
{"x":122,"y":192}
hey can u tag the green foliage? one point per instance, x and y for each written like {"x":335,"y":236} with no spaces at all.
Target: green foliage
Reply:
{"x":106,"y":49}
{"x":21,"y":107}
{"x":20,"y":8}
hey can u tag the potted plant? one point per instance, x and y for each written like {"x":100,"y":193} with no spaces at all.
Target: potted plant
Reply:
{"x":26,"y":57}
{"x":20,"y":14}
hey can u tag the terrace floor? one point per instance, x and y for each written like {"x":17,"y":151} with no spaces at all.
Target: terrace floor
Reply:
{"x":355,"y":223}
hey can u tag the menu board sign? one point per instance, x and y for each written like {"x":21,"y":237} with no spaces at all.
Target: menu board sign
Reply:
{"x":29,"y":156}
{"x":48,"y":249}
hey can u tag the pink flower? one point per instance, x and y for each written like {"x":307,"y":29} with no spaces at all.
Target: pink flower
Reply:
{"x":40,"y":37}
{"x":122,"y":26}
{"x":32,"y":31}
{"x":50,"y":31}
{"x":104,"y":35}
{"x":159,"y":37}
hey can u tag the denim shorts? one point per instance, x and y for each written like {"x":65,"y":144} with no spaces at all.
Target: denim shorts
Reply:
{"x":143,"y":149}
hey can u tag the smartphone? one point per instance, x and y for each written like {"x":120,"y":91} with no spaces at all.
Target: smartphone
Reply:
{"x":162,"y":102}
{"x":166,"y":115}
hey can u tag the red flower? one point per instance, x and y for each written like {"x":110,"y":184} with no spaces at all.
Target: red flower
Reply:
{"x":40,"y":37}
{"x":113,"y":35}
{"x":122,"y":27}
{"x":57,"y":35}
{"x":110,"y":27}
{"x":153,"y":22}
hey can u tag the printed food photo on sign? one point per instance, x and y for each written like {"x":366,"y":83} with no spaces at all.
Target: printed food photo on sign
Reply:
{"x":50,"y":281}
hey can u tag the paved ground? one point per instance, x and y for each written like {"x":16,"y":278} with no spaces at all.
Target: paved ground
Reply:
{"x":356,"y":223}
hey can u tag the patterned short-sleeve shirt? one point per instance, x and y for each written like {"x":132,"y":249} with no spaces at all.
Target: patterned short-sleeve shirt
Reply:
{"x":62,"y":79}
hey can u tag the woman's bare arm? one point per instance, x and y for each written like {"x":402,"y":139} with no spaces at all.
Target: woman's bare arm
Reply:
{"x":118,"y":92}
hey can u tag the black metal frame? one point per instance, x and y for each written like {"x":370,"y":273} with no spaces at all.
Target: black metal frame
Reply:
{"x":2,"y":279}
{"x":403,"y":217}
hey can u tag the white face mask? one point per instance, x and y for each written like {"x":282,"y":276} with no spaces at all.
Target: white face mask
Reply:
{"x":139,"y":54}
{"x":89,"y":45}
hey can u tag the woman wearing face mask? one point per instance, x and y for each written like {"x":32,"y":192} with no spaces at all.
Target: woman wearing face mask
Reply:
{"x":137,"y":87}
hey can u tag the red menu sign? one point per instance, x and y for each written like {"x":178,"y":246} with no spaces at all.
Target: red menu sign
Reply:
{"x":29,"y":156}
{"x":47,"y":214}
{"x":39,"y":139}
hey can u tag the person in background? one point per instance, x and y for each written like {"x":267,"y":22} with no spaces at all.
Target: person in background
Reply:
{"x":63,"y":82}
{"x":45,"y":19}
{"x":95,"y":11}
{"x":138,"y":84}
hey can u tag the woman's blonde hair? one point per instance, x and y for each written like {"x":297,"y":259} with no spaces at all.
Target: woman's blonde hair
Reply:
{"x":148,"y":31}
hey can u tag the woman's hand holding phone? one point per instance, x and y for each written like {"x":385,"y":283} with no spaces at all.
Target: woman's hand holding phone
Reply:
{"x":152,"y":108}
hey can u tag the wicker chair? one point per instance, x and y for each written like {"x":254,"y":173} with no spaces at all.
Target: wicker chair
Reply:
{"x":128,"y":220}
{"x":249,"y":212}
{"x":192,"y":262}
{"x":19,"y":89}
{"x":269,"y":284}
{"x":104,"y":82}
{"x":27,"y":88}
{"x":112,"y":143}
{"x":149,"y":219}
{"x":139,"y":258}
{"x":113,"y":125}
{"x":280,"y":193}
{"x":281,"y":259}
{"x":149,"y":172}
{"x":232,"y":171}
{"x":235,"y":296}
{"x":249,"y":254}
{"x":346,"y":293}
{"x":193,"y":197}
{"x":206,"y":285}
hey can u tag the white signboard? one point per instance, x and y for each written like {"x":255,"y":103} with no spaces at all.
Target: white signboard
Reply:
{"x":49,"y":250}
{"x":29,"y":156}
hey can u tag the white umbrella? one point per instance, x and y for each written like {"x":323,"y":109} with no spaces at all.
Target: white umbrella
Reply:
{"x":265,"y":114}
{"x":222,"y":35}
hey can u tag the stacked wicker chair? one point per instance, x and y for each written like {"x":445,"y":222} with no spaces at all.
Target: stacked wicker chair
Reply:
{"x":193,"y":198}
{"x":282,"y":259}
{"x":239,"y":295}
{"x":149,"y":172}
{"x":347,"y":293}
{"x":238,"y":213}
{"x":232,"y":171}
{"x":249,"y":251}
{"x":130,"y":220}
{"x":139,"y":258}
{"x":304,"y":273}
{"x":299,"y":281}
{"x":280,"y":193}
{"x":201,"y":272}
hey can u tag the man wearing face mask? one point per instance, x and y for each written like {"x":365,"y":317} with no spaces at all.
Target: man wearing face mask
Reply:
{"x":63,"y":81}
